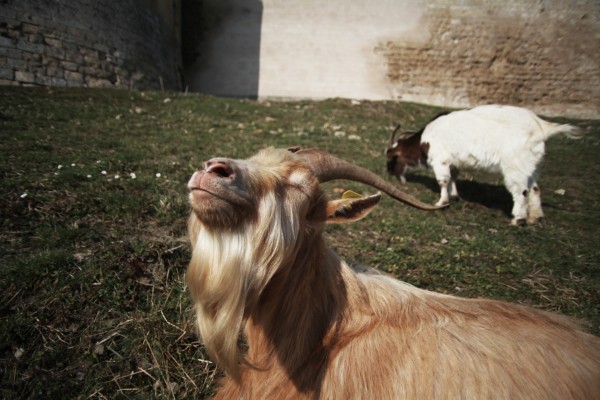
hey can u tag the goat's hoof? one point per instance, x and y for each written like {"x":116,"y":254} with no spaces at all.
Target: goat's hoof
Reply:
{"x":518,"y":222}
{"x":535,"y":221}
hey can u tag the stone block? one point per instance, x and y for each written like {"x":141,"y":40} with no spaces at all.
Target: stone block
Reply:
{"x":98,"y":83}
{"x":30,"y":47}
{"x":54,"y":52}
{"x":73,"y":76}
{"x":75,"y":83}
{"x":74,"y":57}
{"x":8,"y":82}
{"x":30,"y":28}
{"x":51,"y":41}
{"x":35,"y":38}
{"x":13,"y":33}
{"x":90,"y":59}
{"x":101,"y":47}
{"x":43,"y":80}
{"x":69,"y":66}
{"x":6,"y":42}
{"x":55,"y":72}
{"x":7,"y":73}
{"x":16,"y":63}
{"x":54,"y":81}
{"x":24,"y":76}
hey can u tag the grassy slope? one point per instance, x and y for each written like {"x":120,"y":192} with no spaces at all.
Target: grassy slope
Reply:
{"x":92,"y":300}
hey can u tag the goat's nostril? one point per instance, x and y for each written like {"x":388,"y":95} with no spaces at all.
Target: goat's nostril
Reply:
{"x":220,"y":168}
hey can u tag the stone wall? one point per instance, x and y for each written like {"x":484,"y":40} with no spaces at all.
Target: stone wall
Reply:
{"x":540,"y":54}
{"x":93,"y":43}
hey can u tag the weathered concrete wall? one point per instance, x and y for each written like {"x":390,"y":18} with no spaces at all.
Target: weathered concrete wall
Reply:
{"x":95,"y":43}
{"x":318,"y":49}
{"x":541,"y":54}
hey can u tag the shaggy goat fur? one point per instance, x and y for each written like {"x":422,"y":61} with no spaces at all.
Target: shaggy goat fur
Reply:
{"x":286,"y":318}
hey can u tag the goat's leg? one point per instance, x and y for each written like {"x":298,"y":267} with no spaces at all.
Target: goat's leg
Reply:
{"x":519,"y":190}
{"x":443,"y":177}
{"x":535,"y":204}
{"x":453,"y":177}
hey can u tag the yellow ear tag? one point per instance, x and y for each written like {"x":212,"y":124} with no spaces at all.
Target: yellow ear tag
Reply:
{"x":349,"y":194}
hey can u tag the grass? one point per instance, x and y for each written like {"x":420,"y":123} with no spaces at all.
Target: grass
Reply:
{"x":93,"y":249}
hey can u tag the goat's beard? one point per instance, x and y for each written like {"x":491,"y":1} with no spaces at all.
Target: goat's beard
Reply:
{"x":228,"y":271}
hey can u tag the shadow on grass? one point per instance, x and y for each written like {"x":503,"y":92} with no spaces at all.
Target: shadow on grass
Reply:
{"x":491,"y":196}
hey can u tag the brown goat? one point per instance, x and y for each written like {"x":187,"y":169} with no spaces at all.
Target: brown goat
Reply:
{"x":286,"y":318}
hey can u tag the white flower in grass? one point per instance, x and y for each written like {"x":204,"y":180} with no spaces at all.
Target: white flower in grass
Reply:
{"x":117,"y":176}
{"x":72,"y":165}
{"x":59,"y":166}
{"x":132,"y":175}
{"x":158,"y":174}
{"x":103,"y":172}
{"x":24,"y":195}
{"x":88,"y":176}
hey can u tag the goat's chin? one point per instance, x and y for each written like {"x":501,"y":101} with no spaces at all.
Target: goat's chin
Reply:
{"x":217,"y":213}
{"x":215,"y":218}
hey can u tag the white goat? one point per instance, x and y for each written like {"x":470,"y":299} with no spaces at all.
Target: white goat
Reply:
{"x":496,"y":138}
{"x":315,"y":328}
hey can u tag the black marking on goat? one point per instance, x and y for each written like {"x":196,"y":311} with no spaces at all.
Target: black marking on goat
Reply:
{"x":525,"y":193}
{"x":424,"y":151}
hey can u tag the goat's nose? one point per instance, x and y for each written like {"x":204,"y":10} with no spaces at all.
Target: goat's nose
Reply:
{"x":221,"y":167}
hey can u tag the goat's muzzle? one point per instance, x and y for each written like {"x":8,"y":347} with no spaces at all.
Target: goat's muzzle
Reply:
{"x":218,"y":190}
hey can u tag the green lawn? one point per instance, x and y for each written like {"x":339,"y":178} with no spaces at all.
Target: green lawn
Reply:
{"x":93,"y":209}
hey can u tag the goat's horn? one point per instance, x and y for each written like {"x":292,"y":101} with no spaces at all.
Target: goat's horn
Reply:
{"x":393,"y":138}
{"x":327,"y":168}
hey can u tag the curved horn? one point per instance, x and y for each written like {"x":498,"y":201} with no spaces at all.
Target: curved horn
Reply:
{"x":393,"y":138}
{"x":327,"y":168}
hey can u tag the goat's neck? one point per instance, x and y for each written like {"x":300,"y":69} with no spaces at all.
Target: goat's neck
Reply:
{"x":298,"y":316}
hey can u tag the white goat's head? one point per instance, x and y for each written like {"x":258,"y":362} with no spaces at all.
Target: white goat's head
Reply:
{"x":253,"y":219}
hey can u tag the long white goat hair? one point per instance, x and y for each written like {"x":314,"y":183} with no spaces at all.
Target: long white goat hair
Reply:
{"x":227,"y":266}
{"x":285,"y":318}
{"x":495,"y":138}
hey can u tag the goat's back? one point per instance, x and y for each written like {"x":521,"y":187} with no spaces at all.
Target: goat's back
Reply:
{"x":486,"y":137}
{"x":427,"y":345}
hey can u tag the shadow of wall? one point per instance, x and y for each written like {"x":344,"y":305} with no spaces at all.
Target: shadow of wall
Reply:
{"x":221,"y":46}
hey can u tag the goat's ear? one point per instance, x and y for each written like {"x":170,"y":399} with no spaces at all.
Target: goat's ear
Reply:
{"x":351,"y":207}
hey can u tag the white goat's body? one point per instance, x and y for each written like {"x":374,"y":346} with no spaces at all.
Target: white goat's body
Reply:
{"x":502,"y":139}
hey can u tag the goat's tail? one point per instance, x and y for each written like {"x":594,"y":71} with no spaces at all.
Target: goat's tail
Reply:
{"x":550,"y":129}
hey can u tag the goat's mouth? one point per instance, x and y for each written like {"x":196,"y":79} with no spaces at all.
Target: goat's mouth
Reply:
{"x":220,"y":210}
{"x":198,"y":193}
{"x":203,"y":199}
